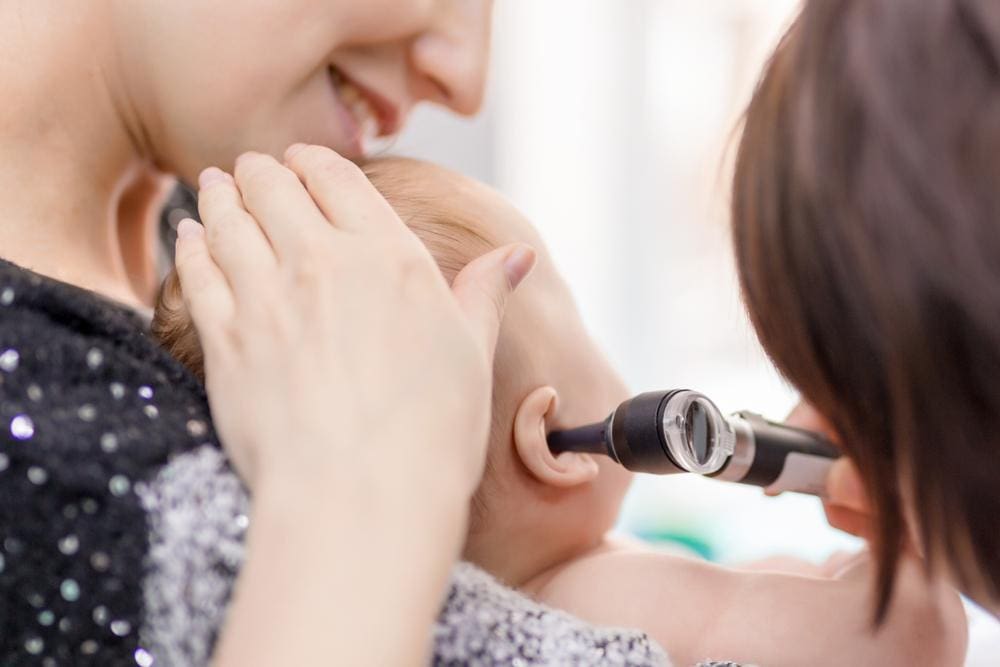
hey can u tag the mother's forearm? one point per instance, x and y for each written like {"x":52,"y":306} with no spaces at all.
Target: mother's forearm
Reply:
{"x":351,"y":568}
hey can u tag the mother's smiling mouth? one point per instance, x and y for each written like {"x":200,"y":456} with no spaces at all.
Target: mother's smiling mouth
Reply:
{"x":374,"y":115}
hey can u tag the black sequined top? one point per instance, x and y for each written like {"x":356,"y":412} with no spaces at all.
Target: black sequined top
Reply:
{"x":122,"y":523}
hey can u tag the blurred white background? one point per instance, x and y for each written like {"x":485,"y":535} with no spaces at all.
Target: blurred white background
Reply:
{"x":611,"y":123}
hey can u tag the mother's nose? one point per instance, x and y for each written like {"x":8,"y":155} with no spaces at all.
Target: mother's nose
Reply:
{"x":452,"y":57}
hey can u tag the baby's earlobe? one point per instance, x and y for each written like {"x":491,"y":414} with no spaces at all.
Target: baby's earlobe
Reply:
{"x":531,"y":442}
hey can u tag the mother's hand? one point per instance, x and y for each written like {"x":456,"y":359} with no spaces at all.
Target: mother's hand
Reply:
{"x":331,"y":339}
{"x":351,"y":387}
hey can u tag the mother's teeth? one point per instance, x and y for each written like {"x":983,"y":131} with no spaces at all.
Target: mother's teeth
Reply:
{"x":358,"y":105}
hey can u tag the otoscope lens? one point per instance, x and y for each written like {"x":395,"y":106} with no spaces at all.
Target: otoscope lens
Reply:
{"x":699,"y":434}
{"x":696,"y":436}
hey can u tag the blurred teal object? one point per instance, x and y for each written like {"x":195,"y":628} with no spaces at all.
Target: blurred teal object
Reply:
{"x":693,"y":543}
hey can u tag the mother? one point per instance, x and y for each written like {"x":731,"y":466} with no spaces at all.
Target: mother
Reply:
{"x":121,"y":523}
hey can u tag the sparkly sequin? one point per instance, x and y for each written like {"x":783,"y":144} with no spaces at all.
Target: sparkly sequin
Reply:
{"x":46,"y":618}
{"x":121,"y":628}
{"x":145,"y":392}
{"x":117,"y":390}
{"x":34,"y":645}
{"x":35,"y":393}
{"x":94,"y":358}
{"x":151,"y":411}
{"x":6,"y":296}
{"x":143,"y":657}
{"x":70,"y":590}
{"x":37,"y":475}
{"x":109,"y":442}
{"x":100,"y":561}
{"x":69,"y":545}
{"x":119,"y":485}
{"x":21,"y":427}
{"x":100,"y":615}
{"x":196,"y":428}
{"x":4,"y":461}
{"x":9,"y":360}
{"x":87,"y":412}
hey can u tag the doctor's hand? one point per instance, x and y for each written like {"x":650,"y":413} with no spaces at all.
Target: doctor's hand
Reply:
{"x":847,"y":505}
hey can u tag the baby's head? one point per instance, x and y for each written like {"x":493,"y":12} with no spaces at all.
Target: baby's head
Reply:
{"x":532,"y":509}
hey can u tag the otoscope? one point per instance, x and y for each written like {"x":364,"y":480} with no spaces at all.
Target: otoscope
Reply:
{"x":676,"y":431}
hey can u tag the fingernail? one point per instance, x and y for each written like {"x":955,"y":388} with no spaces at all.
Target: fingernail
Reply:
{"x":518,"y":264}
{"x":293,"y":150}
{"x":212,"y":175}
{"x":189,"y":229}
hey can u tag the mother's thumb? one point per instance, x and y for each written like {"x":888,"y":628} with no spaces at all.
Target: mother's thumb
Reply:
{"x":483,"y":286}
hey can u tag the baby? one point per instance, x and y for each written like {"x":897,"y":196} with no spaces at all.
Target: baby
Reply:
{"x":541,"y":523}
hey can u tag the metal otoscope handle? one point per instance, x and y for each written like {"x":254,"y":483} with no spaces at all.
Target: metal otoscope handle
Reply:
{"x":676,"y":431}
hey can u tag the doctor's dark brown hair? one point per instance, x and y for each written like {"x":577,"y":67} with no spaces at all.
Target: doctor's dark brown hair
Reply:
{"x":866,"y":224}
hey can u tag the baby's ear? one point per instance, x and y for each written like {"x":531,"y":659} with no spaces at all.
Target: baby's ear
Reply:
{"x":566,"y":470}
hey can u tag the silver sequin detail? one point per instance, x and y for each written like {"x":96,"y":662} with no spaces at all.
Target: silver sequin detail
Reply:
{"x":196,"y":428}
{"x":121,"y":627}
{"x":89,"y":647}
{"x":151,"y":411}
{"x":100,"y":615}
{"x":70,"y":590}
{"x":69,"y":545}
{"x":100,"y":561}
{"x":119,"y":485}
{"x":94,"y":358}
{"x":7,"y":296}
{"x":117,"y":390}
{"x":196,"y":549}
{"x":21,"y":427}
{"x":145,"y":392}
{"x":89,"y":506}
{"x":35,"y":393}
{"x":37,"y":475}
{"x":34,"y":645}
{"x":9,"y":360}
{"x":3,"y":562}
{"x":4,"y":461}
{"x":143,"y":658}
{"x":87,"y":412}
{"x":46,"y":618}
{"x":109,"y":442}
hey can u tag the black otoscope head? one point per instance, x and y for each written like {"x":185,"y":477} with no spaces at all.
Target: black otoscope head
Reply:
{"x":665,"y":432}
{"x":659,"y":432}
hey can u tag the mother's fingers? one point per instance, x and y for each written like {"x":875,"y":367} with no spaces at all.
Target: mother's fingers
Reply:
{"x":346,"y":197}
{"x":235,"y":240}
{"x":280,"y":204}
{"x":206,"y":291}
